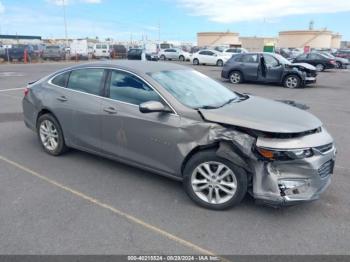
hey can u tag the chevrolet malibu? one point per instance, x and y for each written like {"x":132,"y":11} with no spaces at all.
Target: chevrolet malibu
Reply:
{"x":174,"y":121}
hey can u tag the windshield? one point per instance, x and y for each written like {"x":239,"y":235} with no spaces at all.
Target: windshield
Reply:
{"x":328,"y":55}
{"x":282,"y":60}
{"x":194,"y":89}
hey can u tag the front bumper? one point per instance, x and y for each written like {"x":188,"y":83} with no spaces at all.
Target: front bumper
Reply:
{"x":290,"y":182}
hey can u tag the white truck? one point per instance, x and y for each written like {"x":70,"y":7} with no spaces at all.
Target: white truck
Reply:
{"x":79,"y":49}
{"x":101,"y":50}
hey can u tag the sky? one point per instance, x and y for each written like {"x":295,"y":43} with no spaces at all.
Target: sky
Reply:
{"x":176,"y":19}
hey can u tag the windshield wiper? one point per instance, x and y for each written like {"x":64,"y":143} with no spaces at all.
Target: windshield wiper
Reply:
{"x":208,"y":107}
{"x":228,"y":102}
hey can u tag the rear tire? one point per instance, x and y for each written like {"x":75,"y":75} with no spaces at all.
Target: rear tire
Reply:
{"x":236,"y":77}
{"x":320,"y":67}
{"x":162,"y":57}
{"x":339,"y":65}
{"x":220,"y":63}
{"x":222,"y":186}
{"x":50,"y":135}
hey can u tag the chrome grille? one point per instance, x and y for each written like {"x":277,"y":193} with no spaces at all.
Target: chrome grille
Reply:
{"x":326,"y":169}
{"x":324,"y":148}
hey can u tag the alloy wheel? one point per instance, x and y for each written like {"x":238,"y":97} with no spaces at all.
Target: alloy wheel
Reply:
{"x":292,"y":82}
{"x":235,"y":78}
{"x":214,"y":182}
{"x":319,"y":67}
{"x":219,"y":63}
{"x":48,"y":135}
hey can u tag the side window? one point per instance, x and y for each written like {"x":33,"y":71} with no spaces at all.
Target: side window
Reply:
{"x":210,"y":53}
{"x":202,"y":52}
{"x":251,"y":58}
{"x":86,"y":80}
{"x":130,"y":89}
{"x":315,"y":56}
{"x":61,"y":80}
{"x":271,"y":61}
{"x":301,"y":57}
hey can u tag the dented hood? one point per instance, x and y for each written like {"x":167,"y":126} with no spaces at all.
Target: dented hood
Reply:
{"x":264,"y":115}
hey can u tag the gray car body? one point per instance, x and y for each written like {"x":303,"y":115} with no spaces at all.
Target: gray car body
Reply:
{"x":162,"y":142}
{"x":251,"y":71}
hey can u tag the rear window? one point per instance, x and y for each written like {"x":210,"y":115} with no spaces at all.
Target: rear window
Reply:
{"x":61,"y":80}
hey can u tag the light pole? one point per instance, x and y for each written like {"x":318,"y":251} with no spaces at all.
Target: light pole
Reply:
{"x":65,"y":24}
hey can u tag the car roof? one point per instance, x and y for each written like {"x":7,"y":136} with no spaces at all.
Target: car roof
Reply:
{"x":140,"y":67}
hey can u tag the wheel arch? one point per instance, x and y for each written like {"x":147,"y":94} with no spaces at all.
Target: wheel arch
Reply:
{"x":220,"y":147}
{"x":292,"y":74}
{"x":195,"y":150}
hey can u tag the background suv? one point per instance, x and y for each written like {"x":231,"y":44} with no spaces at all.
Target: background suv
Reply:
{"x":268,"y":68}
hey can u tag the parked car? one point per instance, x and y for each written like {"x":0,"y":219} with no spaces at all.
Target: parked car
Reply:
{"x":209,"y":57}
{"x":101,"y":51}
{"x":136,"y":54}
{"x":16,"y":52}
{"x":340,"y":62}
{"x":118,"y":51}
{"x":268,"y":68}
{"x":220,"y":143}
{"x":54,"y":52}
{"x":343,"y":53}
{"x":174,"y":54}
{"x":320,"y":61}
{"x":233,"y":51}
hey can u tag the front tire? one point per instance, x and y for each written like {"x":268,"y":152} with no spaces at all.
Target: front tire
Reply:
{"x":50,"y":135}
{"x":214,"y":182}
{"x":292,"y":81}
{"x":339,"y":65}
{"x":181,"y":58}
{"x":162,"y":57}
{"x":195,"y":61}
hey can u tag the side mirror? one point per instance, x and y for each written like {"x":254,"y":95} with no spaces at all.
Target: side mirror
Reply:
{"x":152,"y":106}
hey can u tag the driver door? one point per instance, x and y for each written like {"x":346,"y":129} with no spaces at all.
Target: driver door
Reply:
{"x":274,"y":69}
{"x":130,"y":135}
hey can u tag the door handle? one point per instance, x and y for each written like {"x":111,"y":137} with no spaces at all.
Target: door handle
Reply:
{"x":110,"y":110}
{"x":62,"y":99}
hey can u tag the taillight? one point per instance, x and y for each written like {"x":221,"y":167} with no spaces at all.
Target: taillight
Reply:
{"x":26,"y":91}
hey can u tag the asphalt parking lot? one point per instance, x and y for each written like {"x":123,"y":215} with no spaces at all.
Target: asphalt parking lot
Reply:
{"x":82,"y":204}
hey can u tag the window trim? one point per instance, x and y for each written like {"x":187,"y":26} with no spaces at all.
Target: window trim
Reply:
{"x":107,"y":69}
{"x":107,"y":88}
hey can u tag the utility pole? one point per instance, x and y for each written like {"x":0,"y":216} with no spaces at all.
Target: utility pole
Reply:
{"x":65,"y":22}
{"x":158,"y":31}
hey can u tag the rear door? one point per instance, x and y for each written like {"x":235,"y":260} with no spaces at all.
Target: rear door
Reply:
{"x":248,"y":64}
{"x":133,"y":136}
{"x":83,"y":96}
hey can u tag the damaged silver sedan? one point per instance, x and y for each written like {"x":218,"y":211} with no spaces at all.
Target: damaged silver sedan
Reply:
{"x":177,"y":122}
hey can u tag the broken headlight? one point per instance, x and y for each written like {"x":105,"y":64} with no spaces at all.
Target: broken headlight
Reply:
{"x":284,"y":155}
